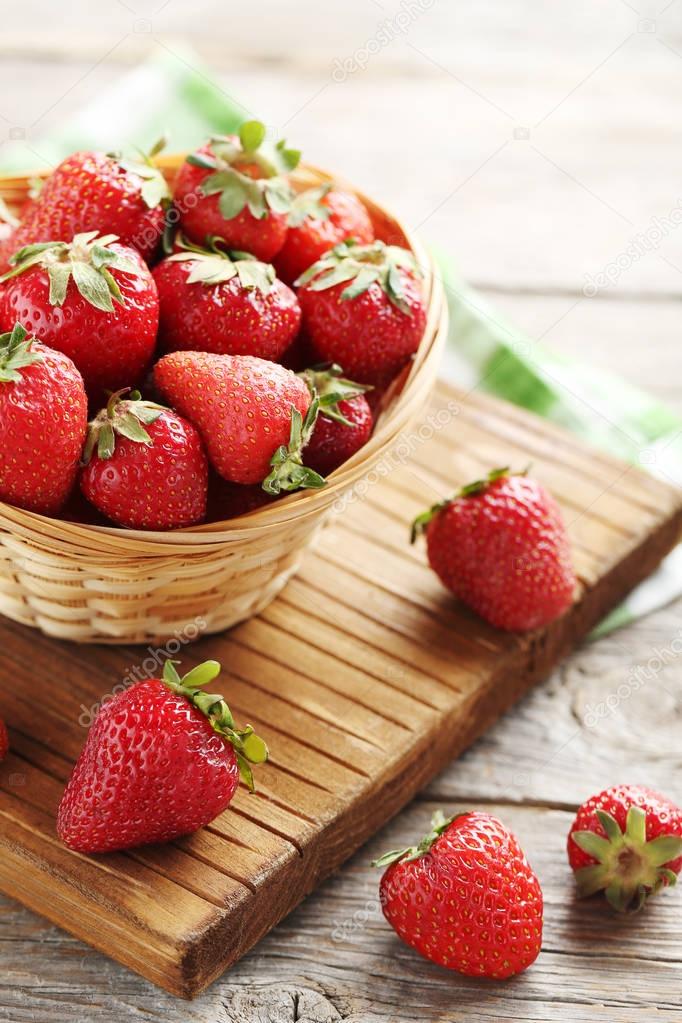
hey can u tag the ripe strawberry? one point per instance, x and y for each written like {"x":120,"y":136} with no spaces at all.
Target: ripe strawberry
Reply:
{"x":228,"y":304}
{"x":363,"y":308}
{"x":4,"y":741}
{"x":319,"y":219}
{"x":101,"y":193}
{"x":501,"y":546}
{"x":162,"y":759}
{"x":235,"y":189}
{"x":253,"y":415}
{"x":344,"y":422}
{"x":626,"y":842}
{"x":465,"y":897}
{"x":145,"y":466}
{"x":93,"y":299}
{"x":43,"y":422}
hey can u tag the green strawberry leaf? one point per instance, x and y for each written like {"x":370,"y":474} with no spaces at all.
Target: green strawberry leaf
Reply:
{"x":251,"y":135}
{"x":121,"y":418}
{"x":308,"y":205}
{"x":16,"y":354}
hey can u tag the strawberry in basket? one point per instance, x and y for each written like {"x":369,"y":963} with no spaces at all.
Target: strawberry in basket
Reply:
{"x":145,"y":466}
{"x":93,"y":299}
{"x":43,"y":421}
{"x":235,"y":189}
{"x":161,"y":760}
{"x":344,"y":422}
{"x":227,"y":303}
{"x":319,"y":219}
{"x":363,"y":308}
{"x":255,"y":416}
{"x":97,"y":192}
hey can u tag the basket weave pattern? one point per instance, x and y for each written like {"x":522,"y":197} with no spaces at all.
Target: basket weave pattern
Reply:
{"x":95,"y":584}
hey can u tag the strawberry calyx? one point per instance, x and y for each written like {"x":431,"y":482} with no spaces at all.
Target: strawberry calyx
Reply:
{"x":288,"y":471}
{"x":473,"y":489}
{"x":249,"y":747}
{"x":16,"y":354}
{"x":87,"y":258}
{"x":328,"y":383}
{"x":439,"y":824}
{"x":229,"y":160}
{"x":123,"y":418}
{"x":154,"y":189}
{"x":308,"y":205}
{"x":214,"y":265}
{"x":629,"y":869}
{"x":362,"y":266}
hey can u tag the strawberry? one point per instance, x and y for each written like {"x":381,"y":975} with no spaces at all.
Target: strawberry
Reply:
{"x":162,"y":759}
{"x":344,"y":422}
{"x":363,"y":308}
{"x":91,"y":298}
{"x":626,"y":842}
{"x":229,"y":500}
{"x":319,"y":219}
{"x":97,"y":192}
{"x":145,"y":466}
{"x":254,"y":416}
{"x":465,"y":897}
{"x":230,"y":304}
{"x":501,"y":546}
{"x":235,"y":189}
{"x":4,"y":741}
{"x":43,"y":422}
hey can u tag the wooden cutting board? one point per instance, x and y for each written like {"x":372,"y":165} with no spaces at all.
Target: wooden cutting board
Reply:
{"x":365,"y":677}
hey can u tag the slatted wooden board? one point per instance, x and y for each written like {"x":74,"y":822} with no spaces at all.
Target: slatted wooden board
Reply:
{"x":365,"y":678}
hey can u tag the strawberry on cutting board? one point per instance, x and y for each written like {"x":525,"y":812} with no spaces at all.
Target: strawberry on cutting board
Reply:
{"x":97,"y":192}
{"x":465,"y":897}
{"x":161,"y":760}
{"x":235,"y":189}
{"x":43,"y":422}
{"x":501,"y":546}
{"x":627,"y":842}
{"x":318,"y":220}
{"x":227,"y":303}
{"x":145,"y":466}
{"x":91,"y":298}
{"x":254,"y":416}
{"x":363,"y":308}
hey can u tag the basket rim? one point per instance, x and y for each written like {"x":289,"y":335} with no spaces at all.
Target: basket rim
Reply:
{"x":298,"y":505}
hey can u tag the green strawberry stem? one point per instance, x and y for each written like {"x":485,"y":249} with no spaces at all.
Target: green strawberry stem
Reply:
{"x":361,"y":266}
{"x":123,"y":418}
{"x":155,"y":190}
{"x":214,"y":265}
{"x":249,"y":747}
{"x":288,"y":471}
{"x":331,"y":387}
{"x":16,"y":354}
{"x":308,"y":205}
{"x":629,"y":869}
{"x":470,"y":490}
{"x":439,"y":824}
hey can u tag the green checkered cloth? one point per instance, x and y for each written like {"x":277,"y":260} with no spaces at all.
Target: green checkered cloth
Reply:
{"x":171,"y":93}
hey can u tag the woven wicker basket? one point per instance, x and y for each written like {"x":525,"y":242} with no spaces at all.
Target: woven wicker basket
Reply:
{"x":95,"y":584}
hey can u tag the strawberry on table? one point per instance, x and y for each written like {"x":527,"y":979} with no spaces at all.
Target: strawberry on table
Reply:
{"x":319,"y":219}
{"x":254,"y":416}
{"x":93,"y":299}
{"x":344,"y":422}
{"x":227,"y":303}
{"x":161,"y":760}
{"x":465,"y":897}
{"x":43,"y":422}
{"x":97,"y":192}
{"x":363,"y":308}
{"x":626,"y":842}
{"x":235,"y":188}
{"x":145,"y":466}
{"x":501,"y":546}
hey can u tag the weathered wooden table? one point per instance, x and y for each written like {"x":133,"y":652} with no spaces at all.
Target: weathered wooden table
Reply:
{"x":536,"y":143}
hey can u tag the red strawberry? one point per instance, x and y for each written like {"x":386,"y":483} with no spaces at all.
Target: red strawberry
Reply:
{"x":319,"y":219}
{"x":235,"y":189}
{"x":253,"y":415}
{"x":501,"y":546}
{"x":43,"y":421}
{"x":162,"y":759}
{"x":627,"y":842}
{"x":465,"y":897}
{"x":97,"y":192}
{"x":344,"y":422}
{"x":363,"y":308}
{"x":145,"y":466}
{"x":93,"y":299}
{"x":227,"y":304}
{"x":4,"y":741}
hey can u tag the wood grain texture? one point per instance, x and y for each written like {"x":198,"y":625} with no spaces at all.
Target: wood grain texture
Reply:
{"x":365,"y":679}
